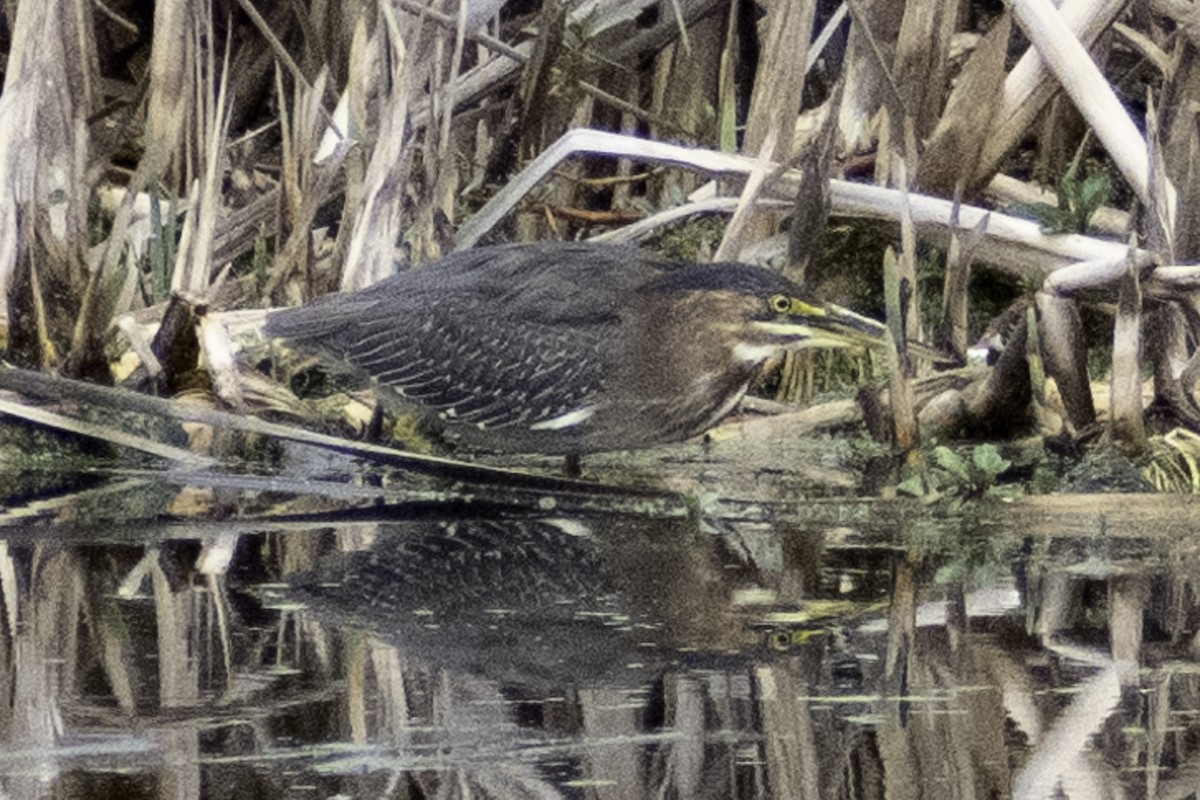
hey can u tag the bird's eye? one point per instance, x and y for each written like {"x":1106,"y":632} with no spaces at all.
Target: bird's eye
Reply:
{"x":780,"y":303}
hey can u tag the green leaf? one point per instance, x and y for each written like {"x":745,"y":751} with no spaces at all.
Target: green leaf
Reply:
{"x":988,"y":459}
{"x":952,"y":462}
{"x":1062,"y":222}
{"x":1052,"y":220}
{"x":1093,"y":194}
{"x":953,"y":572}
{"x":912,"y":486}
{"x":1072,"y":172}
{"x":1068,"y":193}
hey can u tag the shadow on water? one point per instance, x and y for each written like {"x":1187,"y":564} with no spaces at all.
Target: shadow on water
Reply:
{"x":833,"y":649}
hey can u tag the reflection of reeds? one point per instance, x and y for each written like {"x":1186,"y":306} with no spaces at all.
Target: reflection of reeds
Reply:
{"x":946,"y":685}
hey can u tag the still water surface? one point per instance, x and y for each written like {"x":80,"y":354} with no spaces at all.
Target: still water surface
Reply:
{"x":166,"y":641}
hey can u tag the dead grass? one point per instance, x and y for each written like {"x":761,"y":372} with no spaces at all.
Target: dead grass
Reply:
{"x":254,"y":154}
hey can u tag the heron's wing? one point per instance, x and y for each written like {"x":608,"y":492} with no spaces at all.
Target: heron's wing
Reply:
{"x":473,"y":372}
{"x":493,"y":337}
{"x":469,"y":365}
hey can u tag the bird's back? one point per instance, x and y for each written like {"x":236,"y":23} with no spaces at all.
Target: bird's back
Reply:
{"x":510,"y":346}
{"x":539,"y":282}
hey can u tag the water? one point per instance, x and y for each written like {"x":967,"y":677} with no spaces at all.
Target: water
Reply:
{"x":167,"y":636}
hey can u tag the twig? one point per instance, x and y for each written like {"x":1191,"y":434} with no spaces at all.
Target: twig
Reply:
{"x":117,"y":18}
{"x":447,"y":21}
{"x":48,"y":387}
{"x":717,"y":205}
{"x":104,"y":432}
{"x":881,"y":62}
{"x":283,"y":55}
{"x":1012,"y":243}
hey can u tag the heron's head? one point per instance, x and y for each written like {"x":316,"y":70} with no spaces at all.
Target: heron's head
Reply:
{"x":757,"y":313}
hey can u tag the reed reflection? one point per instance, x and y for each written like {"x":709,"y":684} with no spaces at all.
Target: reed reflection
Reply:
{"x":602,"y":656}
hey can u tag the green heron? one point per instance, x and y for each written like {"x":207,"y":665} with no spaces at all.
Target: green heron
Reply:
{"x":570,"y":347}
